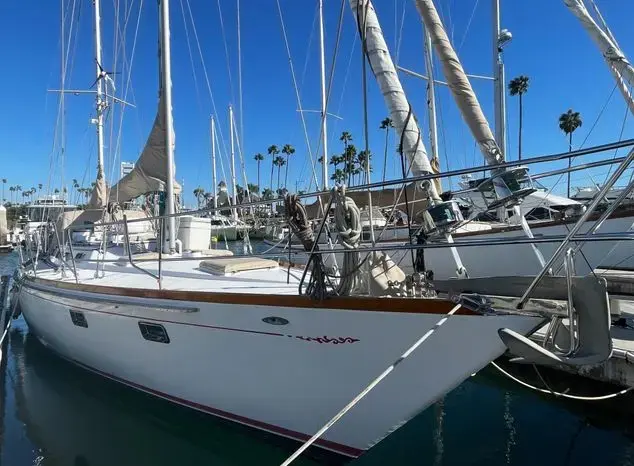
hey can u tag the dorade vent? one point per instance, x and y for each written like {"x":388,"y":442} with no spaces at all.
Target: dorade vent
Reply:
{"x":78,"y":318}
{"x":154,"y":332}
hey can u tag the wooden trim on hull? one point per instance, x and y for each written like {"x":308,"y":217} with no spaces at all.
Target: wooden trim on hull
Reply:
{"x":348,"y":303}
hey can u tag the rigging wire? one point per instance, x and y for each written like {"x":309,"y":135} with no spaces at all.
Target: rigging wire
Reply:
{"x":240,"y":75}
{"x":127,"y":88}
{"x":191,"y":58}
{"x":224,"y":41}
{"x":297,"y":95}
{"x":207,"y":81}
{"x":616,"y":151}
{"x":464,"y":36}
{"x":400,"y":36}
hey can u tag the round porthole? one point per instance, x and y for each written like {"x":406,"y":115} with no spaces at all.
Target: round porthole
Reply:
{"x":274,"y":320}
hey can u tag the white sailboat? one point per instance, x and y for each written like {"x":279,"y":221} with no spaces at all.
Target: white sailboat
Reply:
{"x":233,"y":338}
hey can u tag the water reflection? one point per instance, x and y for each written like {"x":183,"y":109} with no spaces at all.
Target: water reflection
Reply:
{"x":54,"y":414}
{"x":76,"y":418}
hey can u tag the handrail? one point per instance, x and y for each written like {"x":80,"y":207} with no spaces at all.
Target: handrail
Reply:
{"x":126,"y":239}
{"x":72,"y":255}
{"x":598,"y":198}
{"x":397,"y":247}
{"x":414,"y":179}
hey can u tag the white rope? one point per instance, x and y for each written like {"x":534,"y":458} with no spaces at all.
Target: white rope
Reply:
{"x":348,"y":223}
{"x":10,"y":317}
{"x":559,"y":394}
{"x":370,"y":387}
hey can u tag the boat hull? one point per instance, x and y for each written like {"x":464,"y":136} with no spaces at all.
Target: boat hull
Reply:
{"x":286,"y":370}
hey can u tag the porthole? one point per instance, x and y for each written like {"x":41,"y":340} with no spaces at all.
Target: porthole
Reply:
{"x":274,"y":320}
{"x":154,"y":332}
{"x":78,"y":318}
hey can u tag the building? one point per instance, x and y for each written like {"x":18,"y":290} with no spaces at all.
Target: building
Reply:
{"x":126,"y":167}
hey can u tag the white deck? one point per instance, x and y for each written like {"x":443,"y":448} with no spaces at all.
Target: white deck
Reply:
{"x":181,"y":275}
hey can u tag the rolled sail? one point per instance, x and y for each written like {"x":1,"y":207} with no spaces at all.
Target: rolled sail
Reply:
{"x":99,"y":197}
{"x":150,"y":171}
{"x":459,"y":84}
{"x":401,"y":113}
{"x":620,"y":67}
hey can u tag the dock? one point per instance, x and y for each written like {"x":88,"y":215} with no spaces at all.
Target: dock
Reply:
{"x":619,"y":369}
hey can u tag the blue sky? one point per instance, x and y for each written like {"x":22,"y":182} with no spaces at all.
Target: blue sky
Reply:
{"x":549,"y":45}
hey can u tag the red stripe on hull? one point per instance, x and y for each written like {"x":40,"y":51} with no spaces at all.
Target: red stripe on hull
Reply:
{"x":327,"y":444}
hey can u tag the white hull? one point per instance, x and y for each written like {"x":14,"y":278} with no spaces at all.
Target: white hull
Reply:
{"x":223,"y":359}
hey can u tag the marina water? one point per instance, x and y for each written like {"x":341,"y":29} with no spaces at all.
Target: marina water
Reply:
{"x":55,"y":414}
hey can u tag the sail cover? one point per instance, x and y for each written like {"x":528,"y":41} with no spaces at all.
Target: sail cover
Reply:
{"x":619,"y":66}
{"x":459,"y":84}
{"x":401,"y":113}
{"x":99,"y":197}
{"x":150,"y":171}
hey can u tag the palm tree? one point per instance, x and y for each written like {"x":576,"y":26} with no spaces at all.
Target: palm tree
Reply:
{"x":345,"y":137}
{"x":267,"y":194}
{"x":12,"y":190}
{"x":363,"y":160}
{"x":279,"y":162}
{"x":336,"y":160}
{"x":273,"y":151}
{"x":349,"y":159}
{"x":258,"y":158}
{"x":568,"y":123}
{"x":39,"y":188}
{"x":198,"y":194}
{"x":339,"y":176}
{"x":386,"y":124}
{"x":254,"y":188}
{"x":56,"y":191}
{"x":519,"y":86}
{"x":4,"y":181}
{"x":288,"y":150}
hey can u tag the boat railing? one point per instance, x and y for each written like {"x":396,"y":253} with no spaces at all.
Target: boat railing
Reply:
{"x":415,"y":179}
{"x":126,"y":239}
{"x":597,"y":237}
{"x":575,"y":236}
{"x":577,"y":226}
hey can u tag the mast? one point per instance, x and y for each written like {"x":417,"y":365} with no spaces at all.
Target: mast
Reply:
{"x":459,"y":84}
{"x":100,"y":104}
{"x":401,"y":112}
{"x":499,"y":81}
{"x":213,"y":162}
{"x":431,"y":100}
{"x":234,"y":198}
{"x":166,"y":88}
{"x":322,"y":59}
